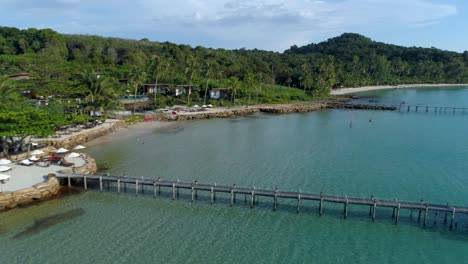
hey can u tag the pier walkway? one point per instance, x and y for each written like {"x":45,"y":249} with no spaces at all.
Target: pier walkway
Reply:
{"x":422,"y":207}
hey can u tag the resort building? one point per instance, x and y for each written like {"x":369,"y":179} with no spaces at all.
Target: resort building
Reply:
{"x":151,"y":88}
{"x":219,"y":93}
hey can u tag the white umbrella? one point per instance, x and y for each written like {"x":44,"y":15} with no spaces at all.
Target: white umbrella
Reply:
{"x":3,"y":179}
{"x":62,"y":150}
{"x":5,"y":168}
{"x":37,"y":152}
{"x":79,"y":147}
{"x":73,"y":155}
{"x":33,"y":158}
{"x":4,"y":162}
{"x":26,"y":162}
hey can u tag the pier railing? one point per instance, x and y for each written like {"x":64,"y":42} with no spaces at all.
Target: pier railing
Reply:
{"x":423,"y":208}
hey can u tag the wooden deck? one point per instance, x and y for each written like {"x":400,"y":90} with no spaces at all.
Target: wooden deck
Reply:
{"x":422,"y":207}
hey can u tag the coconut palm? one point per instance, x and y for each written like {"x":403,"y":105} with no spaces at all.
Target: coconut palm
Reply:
{"x":137,"y":78}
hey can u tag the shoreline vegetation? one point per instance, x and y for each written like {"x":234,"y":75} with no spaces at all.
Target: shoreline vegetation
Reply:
{"x":166,"y":120}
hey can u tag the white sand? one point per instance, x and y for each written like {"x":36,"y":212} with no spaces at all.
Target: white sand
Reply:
{"x":27,"y":176}
{"x":383,"y":87}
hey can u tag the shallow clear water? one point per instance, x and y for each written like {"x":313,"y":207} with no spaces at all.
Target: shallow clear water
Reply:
{"x":408,"y":156}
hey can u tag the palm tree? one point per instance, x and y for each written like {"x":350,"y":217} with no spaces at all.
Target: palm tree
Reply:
{"x":191,"y":71}
{"x":137,"y":78}
{"x":101,"y":90}
{"x":209,"y":73}
{"x":7,"y":90}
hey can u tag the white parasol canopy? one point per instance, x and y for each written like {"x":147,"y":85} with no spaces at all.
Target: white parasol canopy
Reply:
{"x":62,"y":150}
{"x":5,"y":168}
{"x":33,"y":158}
{"x":26,"y":162}
{"x":4,"y":177}
{"x":80,"y":147}
{"x":37,"y":152}
{"x":5,"y":161}
{"x":73,"y":155}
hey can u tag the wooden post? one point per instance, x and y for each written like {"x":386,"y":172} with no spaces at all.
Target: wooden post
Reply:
{"x":435,"y":110}
{"x":453,"y":218}
{"x":299,"y":201}
{"x":252,"y":202}
{"x":393,"y":214}
{"x":245,"y":199}
{"x":118,"y":184}
{"x":234,"y":194}
{"x":427,"y":109}
{"x":232,"y":197}
{"x":193,"y":193}
{"x":136,"y":186}
{"x":159,"y":187}
{"x":321,"y":204}
{"x":69,"y":182}
{"x":425,"y":214}
{"x":177,"y":189}
{"x":100,"y":183}
{"x":409,"y":108}
{"x":373,"y":210}
{"x":417,"y":108}
{"x":125,"y":183}
{"x":212,"y":195}
{"x":445,"y":218}
{"x":370,"y":207}
{"x":85,"y":182}
{"x":411,"y":214}
{"x":275,"y":199}
{"x":196,"y":192}
{"x":419,"y":214}
{"x":345,"y":213}
{"x":142,"y":186}
{"x":397,"y":214}
{"x":173,"y":191}
{"x":435,"y":218}
{"x":154,"y":188}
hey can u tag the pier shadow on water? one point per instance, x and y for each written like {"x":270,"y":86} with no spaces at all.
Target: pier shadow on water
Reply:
{"x":48,"y":222}
{"x":436,"y":222}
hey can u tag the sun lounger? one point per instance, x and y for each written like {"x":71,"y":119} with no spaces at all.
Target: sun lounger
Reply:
{"x":66,"y":163}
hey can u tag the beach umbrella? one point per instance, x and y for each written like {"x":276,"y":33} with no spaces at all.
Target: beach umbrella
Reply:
{"x":62,"y":150}
{"x":3,"y":179}
{"x":26,"y":162}
{"x":37,"y":152}
{"x":79,"y":147}
{"x":73,"y":155}
{"x":33,"y":158}
{"x":5,"y":168}
{"x":4,"y":162}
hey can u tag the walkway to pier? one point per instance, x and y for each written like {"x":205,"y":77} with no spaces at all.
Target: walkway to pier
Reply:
{"x":422,"y":207}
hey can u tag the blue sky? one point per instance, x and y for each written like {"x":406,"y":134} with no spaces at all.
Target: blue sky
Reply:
{"x":262,"y":24}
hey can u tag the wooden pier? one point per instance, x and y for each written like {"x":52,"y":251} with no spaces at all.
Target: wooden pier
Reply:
{"x":431,"y":108}
{"x":422,"y":208}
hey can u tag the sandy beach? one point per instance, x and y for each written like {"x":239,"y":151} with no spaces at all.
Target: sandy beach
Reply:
{"x":344,"y":91}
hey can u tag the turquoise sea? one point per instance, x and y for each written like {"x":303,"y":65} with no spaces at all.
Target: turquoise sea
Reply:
{"x":409,"y":156}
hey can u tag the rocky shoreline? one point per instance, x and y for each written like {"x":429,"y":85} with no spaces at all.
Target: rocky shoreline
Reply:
{"x":42,"y":191}
{"x":51,"y":187}
{"x":238,"y":111}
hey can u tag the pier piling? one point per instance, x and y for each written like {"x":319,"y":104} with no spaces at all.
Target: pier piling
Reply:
{"x":100,"y":183}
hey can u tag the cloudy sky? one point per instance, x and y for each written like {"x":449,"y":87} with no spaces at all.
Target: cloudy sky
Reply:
{"x":263,"y":24}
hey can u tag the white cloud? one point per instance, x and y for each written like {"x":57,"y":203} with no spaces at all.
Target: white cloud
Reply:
{"x":273,"y":24}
